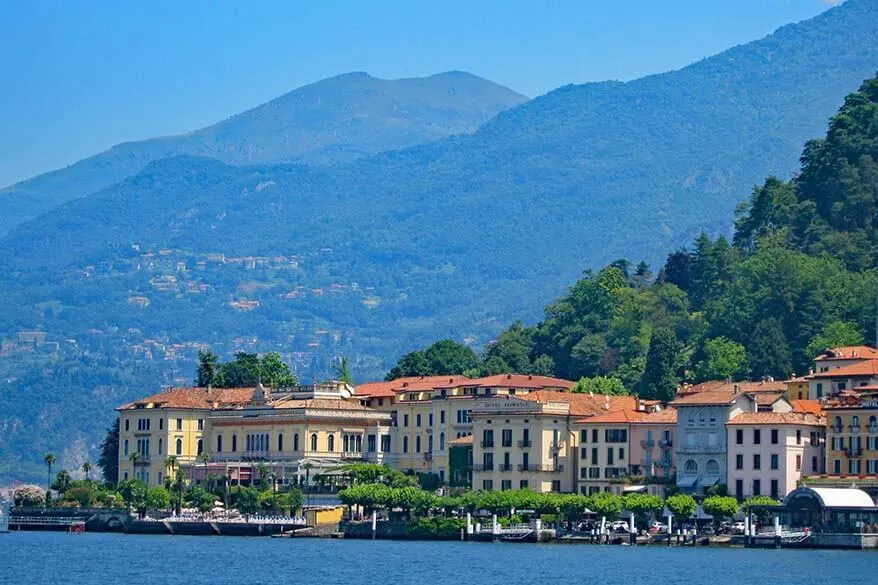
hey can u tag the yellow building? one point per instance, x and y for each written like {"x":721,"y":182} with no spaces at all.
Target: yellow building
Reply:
{"x":295,"y":433}
{"x":428,"y":412}
{"x":852,"y":433}
{"x":530,"y":440}
{"x":797,"y":388}
{"x":171,"y":423}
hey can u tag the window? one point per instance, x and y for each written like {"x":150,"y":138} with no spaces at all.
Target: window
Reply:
{"x":757,"y":487}
{"x":610,"y":452}
{"x":712,"y":467}
{"x":385,"y":443}
{"x":837,"y":466}
{"x":161,"y":446}
{"x":346,"y":443}
{"x":234,"y":443}
{"x":280,"y":441}
{"x":417,"y":420}
{"x":200,"y":447}
{"x":583,"y":436}
{"x":441,"y":417}
{"x":757,"y":461}
{"x":179,"y":449}
{"x":739,"y":436}
{"x":814,"y":464}
{"x":179,"y":424}
{"x":522,"y":484}
{"x":219,"y":443}
{"x":405,"y":420}
{"x":819,"y":390}
{"x":418,"y":444}
{"x":296,"y":442}
{"x":691,"y":466}
{"x":487,"y":485}
{"x":487,"y":438}
{"x":330,"y":443}
{"x":616,"y":435}
{"x":594,"y":435}
{"x":799,"y":437}
{"x":594,"y":456}
{"x":201,"y":424}
{"x":775,"y":461}
{"x":371,"y":444}
{"x":506,"y":484}
{"x":525,"y":460}
{"x":441,"y":441}
{"x":739,"y":488}
{"x":127,"y":421}
{"x":507,"y":437}
{"x":774,"y":489}
{"x":798,"y":463}
{"x":161,"y":423}
{"x":314,"y":441}
{"x":556,"y":485}
{"x":126,"y":447}
{"x":621,"y":453}
{"x":739,"y":461}
{"x":405,"y":444}
{"x":757,"y":436}
{"x":774,"y":436}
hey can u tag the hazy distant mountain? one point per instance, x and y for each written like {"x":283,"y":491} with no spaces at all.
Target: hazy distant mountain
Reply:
{"x":391,"y":251}
{"x":337,"y":119}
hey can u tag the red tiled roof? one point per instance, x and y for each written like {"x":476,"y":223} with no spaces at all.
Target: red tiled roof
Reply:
{"x":322,"y":403}
{"x":431,"y":383}
{"x":807,"y":406}
{"x":195,"y":398}
{"x":383,"y":389}
{"x":461,"y":441}
{"x":767,"y":398}
{"x":522,"y":381}
{"x":722,"y":392}
{"x":665,"y":416}
{"x":778,"y":418}
{"x":865,"y":368}
{"x":850,"y":352}
{"x":582,"y":404}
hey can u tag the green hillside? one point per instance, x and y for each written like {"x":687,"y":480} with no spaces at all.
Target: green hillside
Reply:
{"x":337,"y":119}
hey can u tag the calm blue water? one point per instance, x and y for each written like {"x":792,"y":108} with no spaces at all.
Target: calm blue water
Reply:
{"x":101,"y":559}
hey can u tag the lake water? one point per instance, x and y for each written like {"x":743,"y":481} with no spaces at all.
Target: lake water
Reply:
{"x":35,"y":558}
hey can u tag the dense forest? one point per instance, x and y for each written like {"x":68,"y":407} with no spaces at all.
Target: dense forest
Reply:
{"x":800,"y":275}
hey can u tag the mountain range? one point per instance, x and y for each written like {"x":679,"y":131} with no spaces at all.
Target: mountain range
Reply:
{"x":339,"y":249}
{"x":337,"y":119}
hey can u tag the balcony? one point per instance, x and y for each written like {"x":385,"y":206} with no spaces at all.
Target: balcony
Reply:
{"x":700,"y":449}
{"x":853,"y":452}
{"x":854,"y":429}
{"x":483,"y":467}
{"x":142,"y":460}
{"x":556,"y":445}
{"x":541,"y":468}
{"x":873,"y":430}
{"x":524,"y":444}
{"x":505,"y":467}
{"x":487,"y":444}
{"x":352,"y":455}
{"x":836,"y":429}
{"x":647,"y":443}
{"x":666,"y":443}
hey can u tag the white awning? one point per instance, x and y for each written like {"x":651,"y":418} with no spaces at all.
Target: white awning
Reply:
{"x":633,"y":489}
{"x":686,"y":482}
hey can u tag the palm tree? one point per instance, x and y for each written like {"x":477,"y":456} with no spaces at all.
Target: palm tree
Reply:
{"x":50,"y":460}
{"x":170,"y":466}
{"x":86,"y":469}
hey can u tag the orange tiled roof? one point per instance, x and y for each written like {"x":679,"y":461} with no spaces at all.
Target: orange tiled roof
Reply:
{"x":522,"y":381}
{"x":722,"y":392}
{"x":195,"y":398}
{"x":665,"y":416}
{"x":583,"y":404}
{"x":383,"y":389}
{"x":778,"y":418}
{"x":461,"y":441}
{"x":767,"y":398}
{"x":322,"y":403}
{"x":850,"y":352}
{"x":431,"y":383}
{"x":857,"y":370}
{"x":807,"y":406}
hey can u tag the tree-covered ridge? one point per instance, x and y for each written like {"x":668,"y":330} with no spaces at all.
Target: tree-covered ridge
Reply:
{"x":800,"y":276}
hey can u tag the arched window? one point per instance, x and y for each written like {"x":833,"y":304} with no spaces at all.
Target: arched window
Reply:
{"x":126,"y":446}
{"x":441,"y":441}
{"x":405,"y":444}
{"x":280,"y":441}
{"x":855,"y":421}
{"x":691,"y":466}
{"x":872,"y":424}
{"x":418,"y":444}
{"x":266,"y":441}
{"x":330,"y":443}
{"x":219,"y":443}
{"x":359,"y":439}
{"x":200,"y":447}
{"x":247,"y":441}
{"x":179,"y":446}
{"x":234,"y":443}
{"x":346,"y":444}
{"x":838,"y":422}
{"x":712,"y":467}
{"x":314,"y":442}
{"x":296,"y":442}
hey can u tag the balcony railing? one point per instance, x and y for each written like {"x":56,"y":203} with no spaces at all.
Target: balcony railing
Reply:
{"x":835,"y":428}
{"x":873,"y":429}
{"x":483,"y":467}
{"x":525,"y":443}
{"x":854,"y":452}
{"x":854,"y":429}
{"x":556,"y":445}
{"x":142,"y":460}
{"x":666,"y":443}
{"x":541,"y":468}
{"x":505,"y":467}
{"x":647,"y":443}
{"x":352,"y":455}
{"x":487,"y":444}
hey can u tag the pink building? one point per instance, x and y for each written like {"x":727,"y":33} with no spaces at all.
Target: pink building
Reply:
{"x":652,"y":446}
{"x":769,"y":452}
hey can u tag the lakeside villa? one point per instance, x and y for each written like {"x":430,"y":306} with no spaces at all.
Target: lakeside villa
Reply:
{"x":520,"y":431}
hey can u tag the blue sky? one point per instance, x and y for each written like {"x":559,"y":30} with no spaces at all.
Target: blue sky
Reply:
{"x":79,"y":77}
